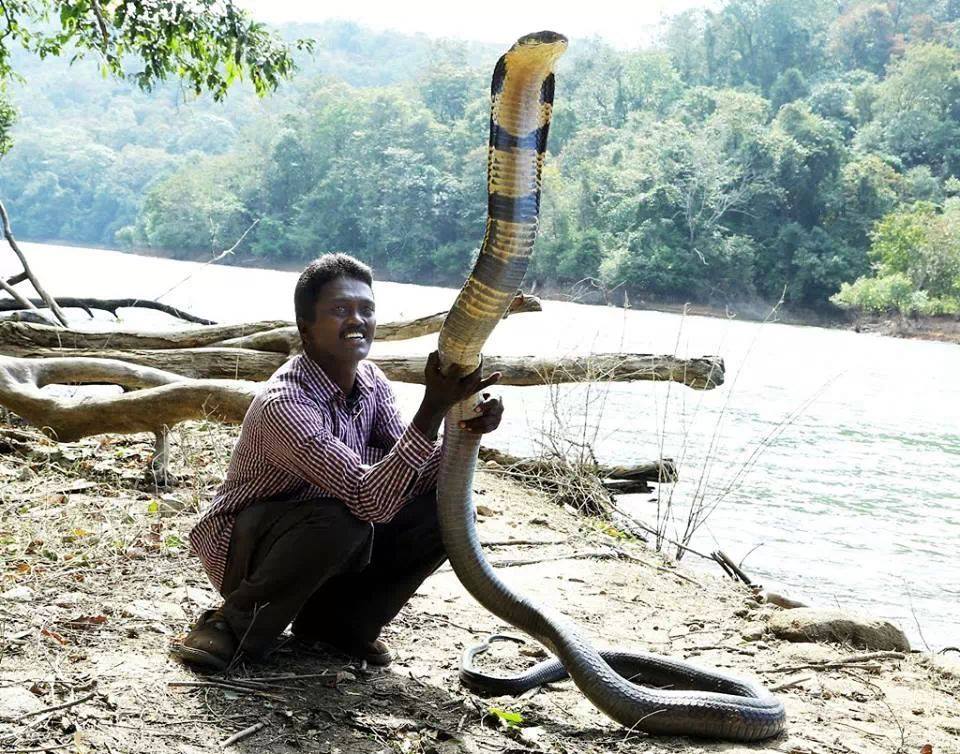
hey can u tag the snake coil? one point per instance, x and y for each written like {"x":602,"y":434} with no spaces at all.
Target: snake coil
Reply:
{"x":701,"y":703}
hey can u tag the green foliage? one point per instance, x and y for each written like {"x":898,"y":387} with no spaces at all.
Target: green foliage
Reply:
{"x":7,"y":117}
{"x":917,"y":256}
{"x":863,"y":37}
{"x":917,"y":111}
{"x":897,"y":238}
{"x":208,"y":44}
{"x":889,"y":293}
{"x":789,"y":87}
{"x":769,"y":145}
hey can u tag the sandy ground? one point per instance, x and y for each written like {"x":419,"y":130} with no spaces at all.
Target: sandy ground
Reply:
{"x":96,"y":582}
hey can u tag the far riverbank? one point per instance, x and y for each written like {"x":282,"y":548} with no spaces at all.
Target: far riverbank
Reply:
{"x":943,"y":328}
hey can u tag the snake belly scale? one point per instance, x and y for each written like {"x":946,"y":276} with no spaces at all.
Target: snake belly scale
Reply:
{"x":700,"y":702}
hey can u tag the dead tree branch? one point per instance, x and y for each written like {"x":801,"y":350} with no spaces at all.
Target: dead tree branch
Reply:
{"x":48,"y":300}
{"x":156,"y":400}
{"x":247,"y":364}
{"x":111,"y":305}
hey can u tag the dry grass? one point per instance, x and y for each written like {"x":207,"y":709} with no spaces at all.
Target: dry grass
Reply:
{"x":101,"y":583}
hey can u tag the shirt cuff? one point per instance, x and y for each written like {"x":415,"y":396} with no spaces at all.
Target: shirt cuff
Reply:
{"x":413,"y":448}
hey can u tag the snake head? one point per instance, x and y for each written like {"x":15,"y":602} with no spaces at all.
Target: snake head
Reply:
{"x":543,"y":38}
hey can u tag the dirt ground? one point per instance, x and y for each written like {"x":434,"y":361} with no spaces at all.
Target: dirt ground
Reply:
{"x":96,"y":581}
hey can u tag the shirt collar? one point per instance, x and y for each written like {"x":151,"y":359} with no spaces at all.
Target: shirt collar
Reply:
{"x":320,"y":381}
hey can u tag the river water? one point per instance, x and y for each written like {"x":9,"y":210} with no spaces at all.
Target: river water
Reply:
{"x":830,"y":459}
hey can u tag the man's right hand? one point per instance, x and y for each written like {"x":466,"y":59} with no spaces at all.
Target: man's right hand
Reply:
{"x":442,"y":392}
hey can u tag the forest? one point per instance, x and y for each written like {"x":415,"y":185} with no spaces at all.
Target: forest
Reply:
{"x":804,"y":149}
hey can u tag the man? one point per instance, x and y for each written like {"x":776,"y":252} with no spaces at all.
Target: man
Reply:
{"x":327,"y":517}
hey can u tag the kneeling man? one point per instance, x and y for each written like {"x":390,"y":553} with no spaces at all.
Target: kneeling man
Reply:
{"x":328,"y":516}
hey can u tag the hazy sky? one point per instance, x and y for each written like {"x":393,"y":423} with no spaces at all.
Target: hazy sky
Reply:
{"x":624,"y":23}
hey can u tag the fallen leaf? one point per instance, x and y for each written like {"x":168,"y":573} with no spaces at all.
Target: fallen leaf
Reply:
{"x":55,"y":636}
{"x":509,"y":719}
{"x":926,"y":749}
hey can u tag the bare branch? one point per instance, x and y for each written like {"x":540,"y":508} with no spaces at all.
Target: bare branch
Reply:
{"x":47,"y":298}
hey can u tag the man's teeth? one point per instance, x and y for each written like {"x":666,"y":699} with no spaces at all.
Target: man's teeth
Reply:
{"x":354,"y":336}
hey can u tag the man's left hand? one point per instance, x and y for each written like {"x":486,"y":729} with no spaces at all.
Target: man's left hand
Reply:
{"x":489,"y":412}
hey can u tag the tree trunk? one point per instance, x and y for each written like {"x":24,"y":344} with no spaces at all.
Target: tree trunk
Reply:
{"x":157,"y":399}
{"x":704,"y":373}
{"x":277,"y":336}
{"x":26,"y":335}
{"x":662,"y":471}
{"x":245,"y":364}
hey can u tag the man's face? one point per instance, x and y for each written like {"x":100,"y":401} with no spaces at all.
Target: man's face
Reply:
{"x":344,"y":321}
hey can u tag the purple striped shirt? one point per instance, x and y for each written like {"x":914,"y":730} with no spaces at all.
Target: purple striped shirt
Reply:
{"x":301,"y":440}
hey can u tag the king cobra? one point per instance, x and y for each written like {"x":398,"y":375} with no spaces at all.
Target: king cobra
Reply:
{"x":700,"y":702}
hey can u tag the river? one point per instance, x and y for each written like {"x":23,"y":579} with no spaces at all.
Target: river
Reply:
{"x":830,"y":459}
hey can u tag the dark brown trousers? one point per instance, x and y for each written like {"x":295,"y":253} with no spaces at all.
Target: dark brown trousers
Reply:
{"x":315,"y":564}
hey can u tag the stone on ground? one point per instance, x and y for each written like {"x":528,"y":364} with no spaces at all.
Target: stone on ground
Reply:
{"x":811,"y":624}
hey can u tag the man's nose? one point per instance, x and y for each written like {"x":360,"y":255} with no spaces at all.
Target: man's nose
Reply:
{"x":354,"y":318}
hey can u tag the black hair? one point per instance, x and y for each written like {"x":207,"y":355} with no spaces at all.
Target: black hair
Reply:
{"x":320,"y":272}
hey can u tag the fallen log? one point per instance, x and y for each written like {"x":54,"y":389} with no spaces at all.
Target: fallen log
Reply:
{"x":156,"y":399}
{"x":247,"y":364}
{"x":704,"y":373}
{"x":194,"y":363}
{"x":659,"y":472}
{"x":26,"y":335}
{"x":278,"y":336}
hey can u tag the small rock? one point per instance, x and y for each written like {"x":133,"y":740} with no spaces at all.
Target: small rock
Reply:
{"x":46,"y":453}
{"x":781,"y":600}
{"x":948,"y":664}
{"x":533,"y":651}
{"x":16,"y":701}
{"x":18,"y":594}
{"x":68,"y":599}
{"x":809,"y":624}
{"x":753,"y":631}
{"x":149,"y":610}
{"x":483,"y":510}
{"x":532,"y":735}
{"x":170,"y":506}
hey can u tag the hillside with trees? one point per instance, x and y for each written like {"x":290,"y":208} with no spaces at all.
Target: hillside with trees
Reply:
{"x":764,"y":147}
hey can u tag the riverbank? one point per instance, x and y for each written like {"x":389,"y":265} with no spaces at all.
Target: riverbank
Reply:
{"x":944,"y":329}
{"x":97,"y":581}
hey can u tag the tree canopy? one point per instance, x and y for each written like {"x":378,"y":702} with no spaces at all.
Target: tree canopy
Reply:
{"x":762,"y":145}
{"x":207,"y":44}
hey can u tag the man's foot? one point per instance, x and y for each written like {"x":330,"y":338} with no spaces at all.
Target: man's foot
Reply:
{"x":374,"y":652}
{"x":210,"y":644}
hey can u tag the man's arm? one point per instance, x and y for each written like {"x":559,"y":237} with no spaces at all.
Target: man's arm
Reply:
{"x":297,"y":440}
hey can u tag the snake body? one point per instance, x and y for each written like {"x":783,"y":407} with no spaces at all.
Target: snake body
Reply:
{"x":701,"y":703}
